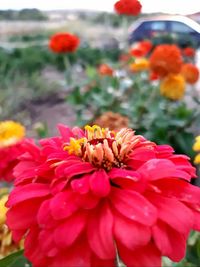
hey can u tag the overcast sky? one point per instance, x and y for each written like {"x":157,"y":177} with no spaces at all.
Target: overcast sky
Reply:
{"x":171,"y":6}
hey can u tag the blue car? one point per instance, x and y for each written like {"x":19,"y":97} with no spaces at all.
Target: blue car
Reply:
{"x":176,"y":26}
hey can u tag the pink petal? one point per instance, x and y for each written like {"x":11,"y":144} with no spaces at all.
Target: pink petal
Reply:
{"x":123,"y":173}
{"x":129,"y":233}
{"x":26,"y":192}
{"x":44,"y":217}
{"x":99,"y":183}
{"x":100,"y":233}
{"x":32,"y":249}
{"x":196,"y":213}
{"x":77,"y":255}
{"x":162,"y":168}
{"x":63,"y":205}
{"x":86,"y":201}
{"x":128,"y":179}
{"x":179,"y":189}
{"x":48,"y":247}
{"x":173,"y":212}
{"x":96,"y":261}
{"x":65,"y":132}
{"x":170,"y":242}
{"x":23,"y":215}
{"x":79,"y":168}
{"x":134,"y":206}
{"x":145,"y":256}
{"x":66,"y":233}
{"x":81,"y":185}
{"x":60,"y":170}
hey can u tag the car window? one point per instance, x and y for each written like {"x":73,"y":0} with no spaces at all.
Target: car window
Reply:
{"x":158,"y":26}
{"x":180,"y":27}
{"x":154,"y":25}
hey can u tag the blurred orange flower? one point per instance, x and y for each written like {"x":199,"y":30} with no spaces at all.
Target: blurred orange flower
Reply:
{"x":141,"y":49}
{"x":190,"y":72}
{"x":128,"y":7}
{"x":173,"y":86}
{"x":113,"y":121}
{"x":188,"y":52}
{"x":140,"y":64}
{"x":64,"y":43}
{"x":166,"y":59}
{"x":105,"y":70}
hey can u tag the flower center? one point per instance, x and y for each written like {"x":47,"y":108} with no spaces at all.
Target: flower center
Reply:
{"x":103,"y":148}
{"x":10,"y":133}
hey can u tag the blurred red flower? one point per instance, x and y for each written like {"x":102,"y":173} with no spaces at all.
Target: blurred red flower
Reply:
{"x":105,"y":70}
{"x":84,"y":195}
{"x":188,"y":52}
{"x":124,"y":58}
{"x":153,"y":76}
{"x":190,"y":72}
{"x":64,"y":43}
{"x":128,"y":7}
{"x":166,"y":59}
{"x":141,"y":49}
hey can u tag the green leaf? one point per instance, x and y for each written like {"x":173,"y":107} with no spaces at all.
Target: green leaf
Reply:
{"x":16,"y":259}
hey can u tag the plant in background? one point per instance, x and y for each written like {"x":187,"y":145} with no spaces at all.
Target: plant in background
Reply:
{"x":12,"y":137}
{"x":111,"y":120}
{"x":112,"y":190}
{"x":189,"y":52}
{"x":173,"y":86}
{"x":166,"y":59}
{"x":140,"y":64}
{"x":190,"y":72}
{"x":105,"y":70}
{"x":141,"y":49}
{"x":128,"y":7}
{"x":64,"y":43}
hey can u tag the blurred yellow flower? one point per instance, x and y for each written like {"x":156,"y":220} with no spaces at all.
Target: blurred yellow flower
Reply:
{"x":196,"y":147}
{"x":7,"y":245}
{"x":140,"y":64}
{"x":173,"y":86}
{"x":10,"y":133}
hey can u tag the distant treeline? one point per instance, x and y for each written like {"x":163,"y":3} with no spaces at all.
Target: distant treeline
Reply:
{"x":23,"y":14}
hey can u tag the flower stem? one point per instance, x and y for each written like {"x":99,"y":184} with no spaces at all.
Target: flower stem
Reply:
{"x":68,"y":73}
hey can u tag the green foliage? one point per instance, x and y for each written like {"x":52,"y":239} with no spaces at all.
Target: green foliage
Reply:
{"x":157,"y":118}
{"x":24,"y":14}
{"x":33,"y":59}
{"x":15,"y":260}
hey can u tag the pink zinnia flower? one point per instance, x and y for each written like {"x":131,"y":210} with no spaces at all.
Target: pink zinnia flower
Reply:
{"x":85,"y":196}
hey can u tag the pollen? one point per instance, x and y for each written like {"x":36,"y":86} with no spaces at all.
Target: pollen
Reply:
{"x":10,"y":133}
{"x":103,"y":148}
{"x":74,"y":146}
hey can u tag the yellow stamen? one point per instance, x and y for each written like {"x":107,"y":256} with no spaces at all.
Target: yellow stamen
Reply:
{"x":74,"y":146}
